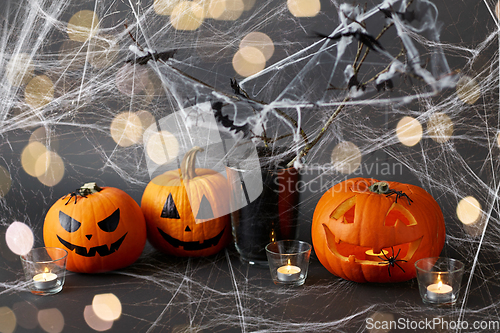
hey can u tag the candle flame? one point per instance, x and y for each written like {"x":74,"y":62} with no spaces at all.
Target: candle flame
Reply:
{"x":289,"y":262}
{"x":440,"y":284}
{"x":46,"y":270}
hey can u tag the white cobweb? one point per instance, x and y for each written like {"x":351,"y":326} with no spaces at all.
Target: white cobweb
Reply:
{"x":73,"y":110}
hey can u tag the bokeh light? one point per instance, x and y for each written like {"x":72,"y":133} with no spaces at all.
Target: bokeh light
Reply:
{"x":409,"y":131}
{"x":260,"y":41}
{"x":440,"y":127}
{"x":29,"y":157}
{"x":5,"y":181}
{"x":20,"y":69}
{"x":94,"y":322}
{"x":103,"y":51}
{"x":146,"y":118}
{"x":126,"y":129}
{"x":82,"y":26}
{"x":227,"y":10}
{"x":187,"y":15}
{"x":51,"y":320}
{"x":39,"y":91}
{"x":304,"y":8}
{"x":26,"y":314}
{"x":249,"y":61}
{"x":19,"y":238}
{"x":346,"y":157}
{"x":162,"y":147}
{"x":469,"y":210}
{"x":54,"y":168}
{"x":8,"y":320}
{"x":468,"y":90}
{"x":248,"y":4}
{"x":107,"y":306}
{"x":380,"y":317}
{"x":131,"y":80}
{"x":164,"y":7}
{"x":44,"y":137}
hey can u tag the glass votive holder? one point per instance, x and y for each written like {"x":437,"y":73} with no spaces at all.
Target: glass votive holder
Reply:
{"x":288,"y":261}
{"x":439,"y":280}
{"x":45,"y":270}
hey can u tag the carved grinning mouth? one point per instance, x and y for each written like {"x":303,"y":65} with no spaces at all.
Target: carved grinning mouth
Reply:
{"x":103,"y":250}
{"x":357,"y":253}
{"x":192,"y":246}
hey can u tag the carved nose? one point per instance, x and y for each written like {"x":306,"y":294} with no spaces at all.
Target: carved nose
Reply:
{"x":88,"y":236}
{"x":187,"y":228}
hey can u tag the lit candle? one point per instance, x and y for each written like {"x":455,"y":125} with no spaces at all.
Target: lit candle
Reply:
{"x":376,"y":256}
{"x":440,"y":292}
{"x":288,"y":273}
{"x":45,"y":280}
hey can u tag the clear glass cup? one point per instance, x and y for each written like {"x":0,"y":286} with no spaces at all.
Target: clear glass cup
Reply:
{"x":45,"y":270}
{"x":288,"y":261}
{"x":439,"y":280}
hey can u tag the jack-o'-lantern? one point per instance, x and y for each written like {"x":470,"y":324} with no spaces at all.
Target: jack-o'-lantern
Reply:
{"x":186,"y":210}
{"x":102,"y":229}
{"x":364,"y":230}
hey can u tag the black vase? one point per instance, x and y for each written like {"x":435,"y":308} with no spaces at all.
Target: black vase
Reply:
{"x":271,"y":216}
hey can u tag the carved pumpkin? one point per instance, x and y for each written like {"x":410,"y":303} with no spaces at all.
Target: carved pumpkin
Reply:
{"x":359,"y":218}
{"x":186,"y":210}
{"x":102,"y":229}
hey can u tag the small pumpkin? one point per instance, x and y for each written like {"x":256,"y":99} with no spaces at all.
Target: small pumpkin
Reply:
{"x":187,"y":210}
{"x":102,"y":229}
{"x":369,"y":231}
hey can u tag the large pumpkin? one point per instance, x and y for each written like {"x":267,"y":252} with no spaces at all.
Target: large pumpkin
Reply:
{"x":102,"y":229}
{"x":359,"y":218}
{"x":187,"y":210}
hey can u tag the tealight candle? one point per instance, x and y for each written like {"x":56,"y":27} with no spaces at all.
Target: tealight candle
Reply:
{"x":440,"y":292}
{"x":45,"y":280}
{"x":289,"y":273}
{"x":376,"y":256}
{"x":288,"y":261}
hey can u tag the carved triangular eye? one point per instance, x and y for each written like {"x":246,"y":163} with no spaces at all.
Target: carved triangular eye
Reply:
{"x":110,"y":223}
{"x":205,"y":212}
{"x":169,"y":210}
{"x":68,"y":223}
{"x":398,"y":213}
{"x":345,"y":210}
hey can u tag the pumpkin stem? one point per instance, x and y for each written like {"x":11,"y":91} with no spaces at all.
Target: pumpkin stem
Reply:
{"x":379,"y":188}
{"x":89,"y":188}
{"x":188,"y":170}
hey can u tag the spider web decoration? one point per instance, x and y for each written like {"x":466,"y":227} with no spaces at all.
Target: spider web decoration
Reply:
{"x":420,"y":107}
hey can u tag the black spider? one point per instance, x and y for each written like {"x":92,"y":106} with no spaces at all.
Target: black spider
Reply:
{"x":391,"y":261}
{"x":75,"y":194}
{"x":163,"y":56}
{"x":399,"y":194}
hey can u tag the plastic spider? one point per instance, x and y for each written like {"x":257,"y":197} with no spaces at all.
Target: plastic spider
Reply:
{"x":75,"y":194}
{"x":150,"y":55}
{"x":391,"y":261}
{"x":399,"y":194}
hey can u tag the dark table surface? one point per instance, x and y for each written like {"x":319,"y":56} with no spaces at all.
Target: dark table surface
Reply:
{"x":160,"y":293}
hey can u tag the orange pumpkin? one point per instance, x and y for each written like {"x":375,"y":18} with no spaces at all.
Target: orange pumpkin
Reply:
{"x":102,"y":229}
{"x":369,"y":231}
{"x":187,"y":210}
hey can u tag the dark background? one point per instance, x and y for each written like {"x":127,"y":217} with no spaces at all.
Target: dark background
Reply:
{"x":219,"y":293}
